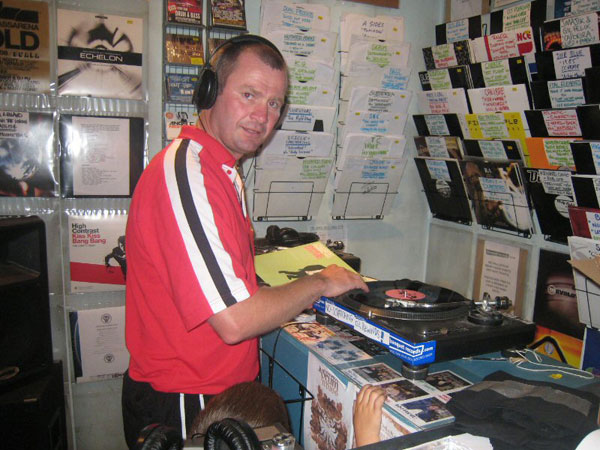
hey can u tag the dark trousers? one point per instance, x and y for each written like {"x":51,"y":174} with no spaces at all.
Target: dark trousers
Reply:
{"x":142,"y":406}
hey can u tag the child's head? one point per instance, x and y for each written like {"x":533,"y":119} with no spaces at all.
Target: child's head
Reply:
{"x":250,"y":402}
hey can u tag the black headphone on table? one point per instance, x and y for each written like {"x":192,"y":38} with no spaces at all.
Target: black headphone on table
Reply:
{"x":159,"y":437}
{"x":288,"y":237}
{"x":225,"y":434}
{"x":207,"y":87}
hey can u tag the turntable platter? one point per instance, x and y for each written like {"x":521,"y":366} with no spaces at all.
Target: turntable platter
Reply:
{"x":407,"y":299}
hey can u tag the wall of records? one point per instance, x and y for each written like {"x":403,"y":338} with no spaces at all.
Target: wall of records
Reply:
{"x":507,"y":138}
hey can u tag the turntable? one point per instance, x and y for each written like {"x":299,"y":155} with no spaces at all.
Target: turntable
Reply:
{"x":421,"y":323}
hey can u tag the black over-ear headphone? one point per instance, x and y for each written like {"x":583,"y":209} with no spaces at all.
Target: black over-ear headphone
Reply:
{"x":226,"y":434}
{"x":207,"y":87}
{"x":231,"y":434}
{"x":159,"y":437}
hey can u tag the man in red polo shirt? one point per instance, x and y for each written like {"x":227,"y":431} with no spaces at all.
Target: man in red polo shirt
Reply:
{"x":194,"y":309}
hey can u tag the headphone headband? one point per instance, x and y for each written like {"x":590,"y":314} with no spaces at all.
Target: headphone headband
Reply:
{"x":206,"y":90}
{"x":242,"y":39}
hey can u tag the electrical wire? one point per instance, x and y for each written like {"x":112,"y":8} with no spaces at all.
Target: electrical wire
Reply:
{"x":539,"y":366}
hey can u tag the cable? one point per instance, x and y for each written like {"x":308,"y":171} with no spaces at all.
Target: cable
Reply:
{"x":271,"y":365}
{"x":547,"y":367}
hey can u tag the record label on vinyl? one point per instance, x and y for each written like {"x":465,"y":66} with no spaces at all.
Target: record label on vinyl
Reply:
{"x":405,"y":294}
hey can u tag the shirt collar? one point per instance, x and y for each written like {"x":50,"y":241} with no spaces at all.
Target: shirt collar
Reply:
{"x":217,"y":151}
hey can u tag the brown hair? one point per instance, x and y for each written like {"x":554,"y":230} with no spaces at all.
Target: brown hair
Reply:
{"x":251,"y":402}
{"x":229,"y":54}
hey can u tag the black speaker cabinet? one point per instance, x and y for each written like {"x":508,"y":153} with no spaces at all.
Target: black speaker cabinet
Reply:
{"x":32,"y":413}
{"x":25,"y":333}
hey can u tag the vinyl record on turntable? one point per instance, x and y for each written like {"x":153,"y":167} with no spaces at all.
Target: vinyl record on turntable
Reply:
{"x":407,"y":299}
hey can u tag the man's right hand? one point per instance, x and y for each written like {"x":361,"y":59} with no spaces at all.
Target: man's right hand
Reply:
{"x":339,"y":280}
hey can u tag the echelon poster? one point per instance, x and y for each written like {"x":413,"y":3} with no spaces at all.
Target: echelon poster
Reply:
{"x":24,"y":47}
{"x":99,"y":55}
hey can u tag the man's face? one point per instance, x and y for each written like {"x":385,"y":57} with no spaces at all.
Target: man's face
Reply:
{"x":246,"y":111}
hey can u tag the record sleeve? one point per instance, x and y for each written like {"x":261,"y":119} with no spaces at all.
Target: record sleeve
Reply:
{"x":175,"y":119}
{"x":452,"y":77}
{"x":498,"y":195}
{"x":589,"y":118}
{"x":180,"y":87}
{"x":506,"y":125}
{"x":98,"y":343}
{"x":443,"y":101}
{"x":438,"y":125}
{"x":447,"y":55}
{"x":551,"y":193}
{"x":180,"y":49}
{"x":25,"y":47}
{"x":585,"y":222}
{"x":439,"y":146}
{"x":228,"y":13}
{"x":100,"y":156}
{"x":213,"y":43}
{"x":458,"y":30}
{"x":584,"y":253}
{"x":514,"y":98}
{"x":566,"y":93}
{"x":550,"y":153}
{"x":528,"y":14}
{"x":184,"y":11}
{"x":99,"y":55}
{"x":27,"y":155}
{"x":98,"y":261}
{"x":564,"y":122}
{"x":444,"y":189}
{"x":586,"y":156}
{"x":555,"y":310}
{"x":493,"y":148}
{"x":567,"y":63}
{"x":586,"y":189}
{"x":591,"y":85}
{"x":305,"y":16}
{"x":571,"y":31}
{"x":507,"y":44}
{"x":499,"y":73}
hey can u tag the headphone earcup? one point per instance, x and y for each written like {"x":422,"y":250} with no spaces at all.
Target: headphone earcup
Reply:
{"x":205,"y":93}
{"x":272,"y":234}
{"x":236,"y":434}
{"x":159,"y":437}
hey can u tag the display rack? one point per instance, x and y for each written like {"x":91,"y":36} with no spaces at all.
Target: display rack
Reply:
{"x":179,"y":109}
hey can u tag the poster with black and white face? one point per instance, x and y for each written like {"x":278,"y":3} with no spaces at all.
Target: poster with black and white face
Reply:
{"x":24,"y":47}
{"x":99,"y":55}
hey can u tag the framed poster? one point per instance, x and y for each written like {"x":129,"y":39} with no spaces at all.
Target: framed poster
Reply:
{"x":101,"y":156}
{"x":97,"y":257}
{"x":99,"y":55}
{"x":27,"y":154}
{"x":228,"y":13}
{"x":24,"y":49}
